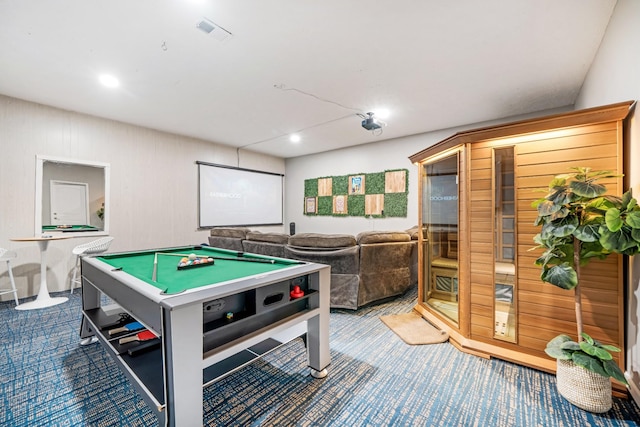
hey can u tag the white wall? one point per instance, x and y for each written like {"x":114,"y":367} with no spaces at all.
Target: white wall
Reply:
{"x":154,"y":183}
{"x":613,"y":77}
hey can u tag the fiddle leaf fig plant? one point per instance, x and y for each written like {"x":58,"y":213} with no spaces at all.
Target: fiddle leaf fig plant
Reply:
{"x":580,"y":221}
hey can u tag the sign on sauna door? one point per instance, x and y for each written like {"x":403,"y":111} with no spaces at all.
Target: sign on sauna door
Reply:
{"x":69,"y":203}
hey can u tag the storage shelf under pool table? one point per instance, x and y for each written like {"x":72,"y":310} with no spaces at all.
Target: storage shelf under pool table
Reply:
{"x":145,"y":368}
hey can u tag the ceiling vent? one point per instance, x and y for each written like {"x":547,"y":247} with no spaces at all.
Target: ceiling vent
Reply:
{"x":213,"y":29}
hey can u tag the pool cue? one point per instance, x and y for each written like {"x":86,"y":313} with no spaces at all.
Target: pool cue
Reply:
{"x":154,"y":276}
{"x":260,"y":260}
{"x":240,"y":258}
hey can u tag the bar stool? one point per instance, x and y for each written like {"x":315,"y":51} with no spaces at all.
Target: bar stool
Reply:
{"x":6,"y":255}
{"x":95,"y":247}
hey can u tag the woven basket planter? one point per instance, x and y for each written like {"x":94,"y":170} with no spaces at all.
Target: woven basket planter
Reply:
{"x":583,"y":388}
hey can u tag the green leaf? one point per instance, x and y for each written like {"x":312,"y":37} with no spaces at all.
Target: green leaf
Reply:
{"x":626,"y":200}
{"x":553,"y":254}
{"x":555,"y":350}
{"x":564,"y":227}
{"x":547,"y":208}
{"x":611,"y":368}
{"x":610,"y":348}
{"x":595,"y":351}
{"x":587,"y":232}
{"x":570,"y":345}
{"x":545,"y":259}
{"x":558,"y":353}
{"x":592,"y":250}
{"x":557,"y":182}
{"x":547,"y":232}
{"x":613,"y":220}
{"x":562,"y":276}
{"x":633,"y":219}
{"x":587,"y":338}
{"x":559,"y":340}
{"x":590,"y":363}
{"x":617,"y":241}
{"x":587,"y":189}
{"x":560,"y":214}
{"x":601,"y":204}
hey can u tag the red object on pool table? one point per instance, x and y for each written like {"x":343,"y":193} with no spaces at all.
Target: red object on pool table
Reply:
{"x":296,"y":292}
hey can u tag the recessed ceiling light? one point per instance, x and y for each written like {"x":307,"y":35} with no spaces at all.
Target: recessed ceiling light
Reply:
{"x":109,"y":80}
{"x":382,"y":113}
{"x":294,"y":137}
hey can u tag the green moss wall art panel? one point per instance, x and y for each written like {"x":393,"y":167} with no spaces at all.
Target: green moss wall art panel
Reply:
{"x":340,"y":185}
{"x":378,"y":194}
{"x":311,"y":187}
{"x":375,"y":183}
{"x":325,"y":204}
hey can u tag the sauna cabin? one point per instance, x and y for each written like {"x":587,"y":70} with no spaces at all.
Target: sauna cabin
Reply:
{"x":477,"y":278}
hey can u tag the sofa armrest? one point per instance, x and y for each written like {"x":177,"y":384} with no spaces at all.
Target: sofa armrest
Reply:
{"x":369,"y":237}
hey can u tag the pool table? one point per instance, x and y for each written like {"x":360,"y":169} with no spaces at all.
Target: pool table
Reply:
{"x":209,"y":318}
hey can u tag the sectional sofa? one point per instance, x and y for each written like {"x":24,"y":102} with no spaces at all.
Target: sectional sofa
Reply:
{"x":368,"y":268}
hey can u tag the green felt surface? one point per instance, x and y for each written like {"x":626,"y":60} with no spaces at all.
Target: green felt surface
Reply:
{"x":171,"y":280}
{"x":72,"y":228}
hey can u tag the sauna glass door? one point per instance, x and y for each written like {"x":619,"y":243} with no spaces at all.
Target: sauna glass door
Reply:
{"x":504,"y":245}
{"x":440,"y":228}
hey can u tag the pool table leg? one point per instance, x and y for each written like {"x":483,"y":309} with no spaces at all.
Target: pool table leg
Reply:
{"x":182,"y":347}
{"x":90,"y":300}
{"x":318,"y":353}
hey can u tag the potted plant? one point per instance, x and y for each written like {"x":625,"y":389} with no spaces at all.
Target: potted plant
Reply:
{"x":580,"y":222}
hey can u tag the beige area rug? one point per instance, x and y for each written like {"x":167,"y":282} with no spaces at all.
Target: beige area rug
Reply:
{"x":413,"y":329}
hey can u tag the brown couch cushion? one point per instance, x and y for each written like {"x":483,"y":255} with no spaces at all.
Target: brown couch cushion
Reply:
{"x":234,"y":232}
{"x":367,"y":237}
{"x":257,"y":236}
{"x":263,"y":248}
{"x":316,"y":240}
{"x":341,"y":260}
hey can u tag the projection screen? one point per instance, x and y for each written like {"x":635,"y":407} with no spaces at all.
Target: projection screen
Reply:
{"x":230,"y":196}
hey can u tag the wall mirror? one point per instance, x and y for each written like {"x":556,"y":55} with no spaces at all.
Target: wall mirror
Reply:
{"x":72,"y":197}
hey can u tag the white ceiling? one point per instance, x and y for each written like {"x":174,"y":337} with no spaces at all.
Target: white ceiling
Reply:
{"x":300,"y":65}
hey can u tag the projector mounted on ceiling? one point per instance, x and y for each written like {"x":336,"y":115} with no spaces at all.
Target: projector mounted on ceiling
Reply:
{"x":370,"y":122}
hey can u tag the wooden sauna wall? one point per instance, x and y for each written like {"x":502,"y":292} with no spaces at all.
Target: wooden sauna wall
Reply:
{"x":543,"y":310}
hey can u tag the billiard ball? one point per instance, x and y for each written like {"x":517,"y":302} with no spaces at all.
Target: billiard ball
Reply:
{"x":192,"y":257}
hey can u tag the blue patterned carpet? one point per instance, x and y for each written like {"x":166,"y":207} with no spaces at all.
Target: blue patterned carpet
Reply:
{"x":47,"y":378}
